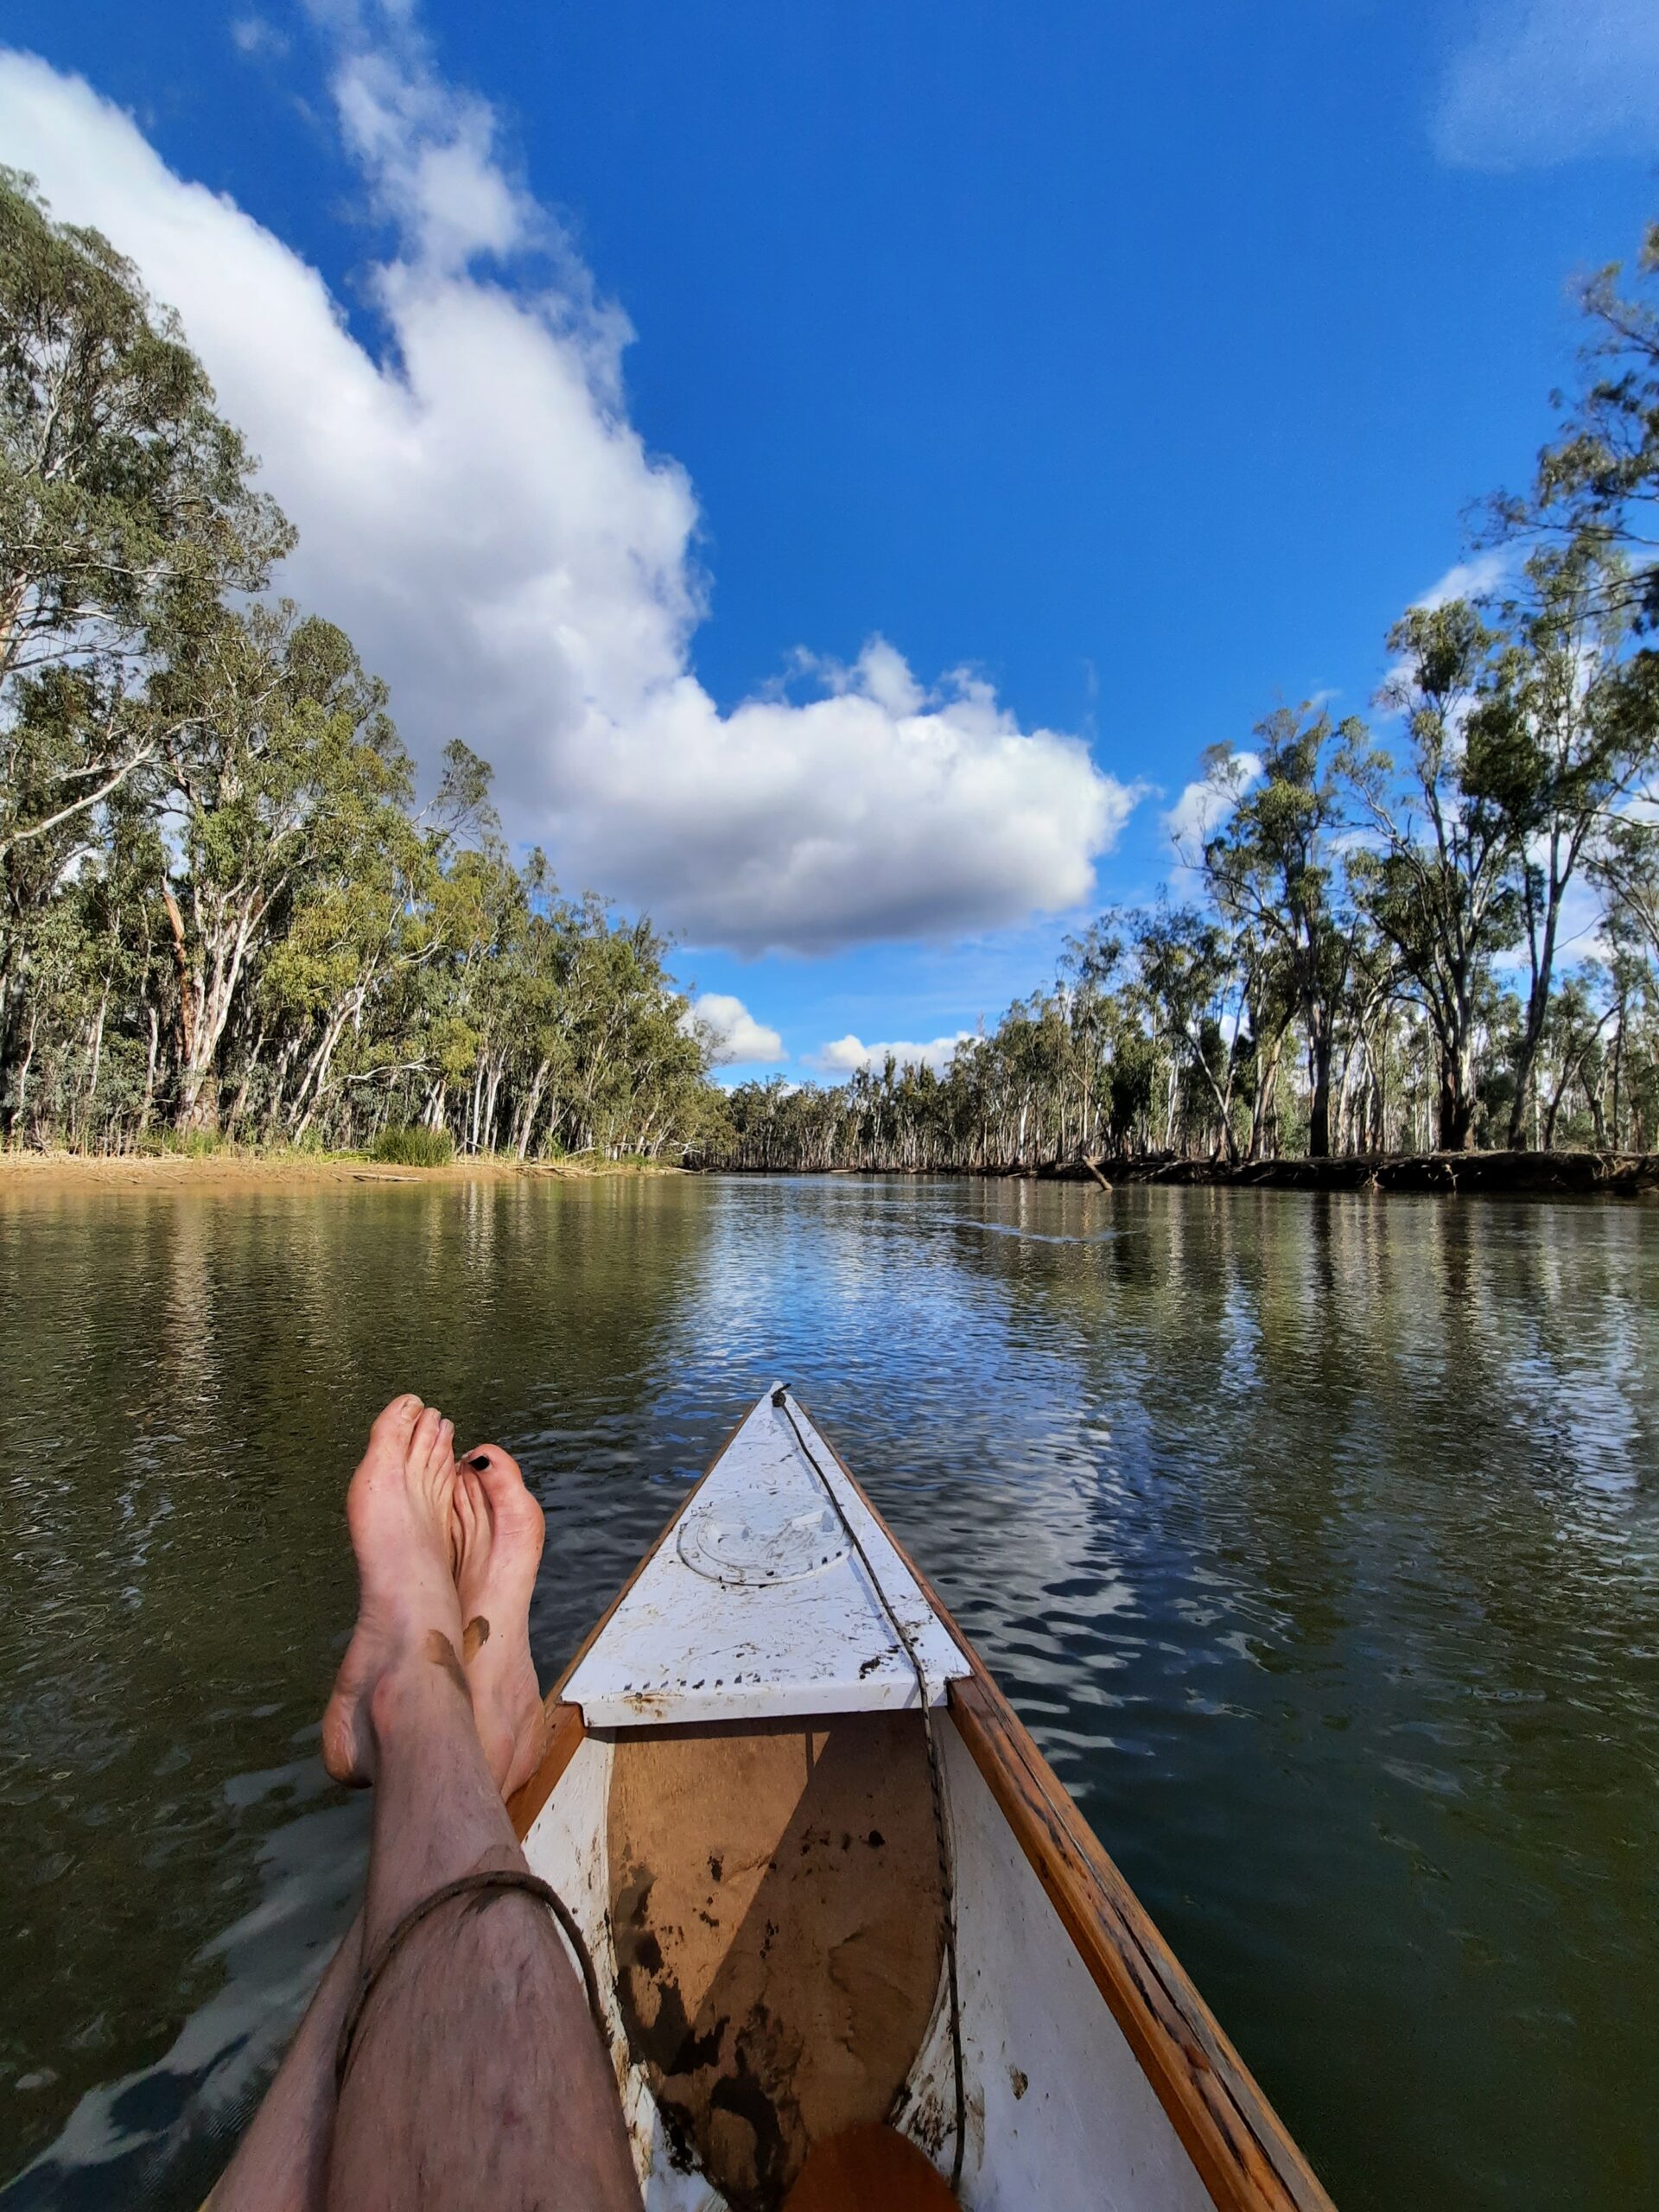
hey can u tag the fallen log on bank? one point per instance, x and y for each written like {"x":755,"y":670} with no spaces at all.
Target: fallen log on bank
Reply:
{"x":1496,"y":1174}
{"x":1585,"y":1174}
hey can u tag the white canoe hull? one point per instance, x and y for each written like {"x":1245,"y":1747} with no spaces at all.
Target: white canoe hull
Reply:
{"x":759,"y":1889}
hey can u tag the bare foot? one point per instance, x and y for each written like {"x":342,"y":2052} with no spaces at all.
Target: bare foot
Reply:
{"x":499,"y":1526}
{"x":398,"y":1509}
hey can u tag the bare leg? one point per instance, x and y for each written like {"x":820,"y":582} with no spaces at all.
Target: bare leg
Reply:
{"x":476,"y":2077}
{"x":282,"y":2163}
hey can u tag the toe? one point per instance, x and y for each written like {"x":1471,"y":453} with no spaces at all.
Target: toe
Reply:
{"x":442,"y":1458}
{"x":395,"y":1423}
{"x":468,"y":1525}
{"x":496,"y":1472}
{"x":497,"y":1475}
{"x":423,"y":1439}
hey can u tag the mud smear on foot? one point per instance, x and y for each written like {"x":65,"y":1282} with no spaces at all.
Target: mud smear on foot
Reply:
{"x":441,"y":1653}
{"x":477,"y":1636}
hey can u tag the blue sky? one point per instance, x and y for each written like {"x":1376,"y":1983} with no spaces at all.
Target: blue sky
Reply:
{"x":1122,"y":372}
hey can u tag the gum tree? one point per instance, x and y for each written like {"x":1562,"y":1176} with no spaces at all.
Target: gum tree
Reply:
{"x":1272,"y":871}
{"x":283,"y":770}
{"x":1438,"y":878}
{"x":126,"y":513}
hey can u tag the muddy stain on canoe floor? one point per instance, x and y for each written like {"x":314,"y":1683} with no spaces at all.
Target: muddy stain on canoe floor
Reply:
{"x":1315,"y":1535}
{"x":782,"y":2001}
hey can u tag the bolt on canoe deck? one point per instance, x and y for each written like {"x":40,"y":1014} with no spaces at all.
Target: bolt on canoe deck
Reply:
{"x":738,"y":1802}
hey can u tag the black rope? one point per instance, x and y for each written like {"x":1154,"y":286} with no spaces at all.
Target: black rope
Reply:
{"x":491,"y":1881}
{"x":947,"y":1886}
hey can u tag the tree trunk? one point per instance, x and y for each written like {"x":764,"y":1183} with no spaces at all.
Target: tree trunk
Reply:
{"x":24,"y":1065}
{"x":10,"y":1033}
{"x":1618,"y":1069}
{"x":98,"y":1055}
{"x":154,"y":1022}
{"x":1457,"y":1113}
{"x":1318,"y":1069}
{"x":187,"y":998}
{"x":1537,"y":1007}
{"x":1378,"y":1055}
{"x":1318,"y":1117}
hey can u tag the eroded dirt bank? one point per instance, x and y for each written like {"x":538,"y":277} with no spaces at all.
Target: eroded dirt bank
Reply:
{"x":1589,"y":1174}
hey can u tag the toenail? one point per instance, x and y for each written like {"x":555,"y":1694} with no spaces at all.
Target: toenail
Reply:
{"x":479,"y":1461}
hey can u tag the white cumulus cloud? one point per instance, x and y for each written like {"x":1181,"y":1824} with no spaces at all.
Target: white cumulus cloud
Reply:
{"x":846,"y":1055}
{"x":736,"y":1035}
{"x":1547,"y":80}
{"x":478,"y":512}
{"x":1204,"y":805}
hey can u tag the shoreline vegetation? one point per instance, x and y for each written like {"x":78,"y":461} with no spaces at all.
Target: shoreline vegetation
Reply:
{"x":227,"y":917}
{"x":1496,"y":1174}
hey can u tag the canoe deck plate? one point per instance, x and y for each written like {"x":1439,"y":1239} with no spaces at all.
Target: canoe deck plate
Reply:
{"x":755,"y":1603}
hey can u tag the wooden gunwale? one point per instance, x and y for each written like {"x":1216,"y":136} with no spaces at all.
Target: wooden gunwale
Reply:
{"x":1240,"y":2148}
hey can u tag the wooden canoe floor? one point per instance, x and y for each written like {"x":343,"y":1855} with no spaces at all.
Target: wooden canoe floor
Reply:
{"x":1241,"y":2149}
{"x":776,"y":1982}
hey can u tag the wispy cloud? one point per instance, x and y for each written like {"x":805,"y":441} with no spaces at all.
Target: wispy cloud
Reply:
{"x":1476,"y":578}
{"x":1481,"y":576}
{"x":258,"y":38}
{"x":1541,"y":82}
{"x":477,"y":509}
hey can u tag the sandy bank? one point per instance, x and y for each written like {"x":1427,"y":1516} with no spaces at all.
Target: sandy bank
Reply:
{"x":44,"y":1171}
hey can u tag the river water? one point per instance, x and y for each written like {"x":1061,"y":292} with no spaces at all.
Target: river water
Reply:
{"x":1315,"y":1537}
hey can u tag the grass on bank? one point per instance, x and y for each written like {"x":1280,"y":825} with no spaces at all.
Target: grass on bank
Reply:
{"x":405,"y":1144}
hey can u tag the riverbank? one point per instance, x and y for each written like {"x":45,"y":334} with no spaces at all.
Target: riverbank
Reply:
{"x":1508,"y":1174}
{"x":1502,"y":1174}
{"x":231,"y":1170}
{"x":1498,"y":1174}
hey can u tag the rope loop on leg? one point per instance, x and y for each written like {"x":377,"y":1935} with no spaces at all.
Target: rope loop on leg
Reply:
{"x":486,"y":1884}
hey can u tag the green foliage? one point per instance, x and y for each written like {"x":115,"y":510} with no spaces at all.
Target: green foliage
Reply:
{"x":404,"y":1145}
{"x":126,"y":517}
